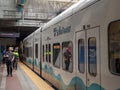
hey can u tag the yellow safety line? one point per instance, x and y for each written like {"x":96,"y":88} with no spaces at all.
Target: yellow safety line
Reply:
{"x":41,"y":84}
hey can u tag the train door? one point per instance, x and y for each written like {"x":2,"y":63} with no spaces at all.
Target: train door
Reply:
{"x":36,"y":58}
{"x":81,"y":60}
{"x":88,"y":59}
{"x":93,"y":59}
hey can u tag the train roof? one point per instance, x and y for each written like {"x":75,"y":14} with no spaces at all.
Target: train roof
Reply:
{"x":68,"y":12}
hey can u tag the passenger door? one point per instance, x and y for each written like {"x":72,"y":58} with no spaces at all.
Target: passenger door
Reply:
{"x":81,"y":60}
{"x":36,"y":57}
{"x":93,"y":59}
{"x":88,"y":59}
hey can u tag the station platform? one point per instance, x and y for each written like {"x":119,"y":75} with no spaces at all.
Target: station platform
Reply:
{"x":23,"y":79}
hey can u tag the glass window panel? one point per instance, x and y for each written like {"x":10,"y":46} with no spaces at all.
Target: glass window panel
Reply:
{"x":81,"y":56}
{"x":43,"y":53}
{"x":114,"y":47}
{"x":67,"y":61}
{"x":49,"y":53}
{"x":56,"y":55}
{"x":92,"y":58}
{"x":46,"y":53}
{"x":36,"y":50}
{"x":30,"y":51}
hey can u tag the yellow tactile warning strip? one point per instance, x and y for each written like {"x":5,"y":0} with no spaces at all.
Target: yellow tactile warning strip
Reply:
{"x":41,"y":84}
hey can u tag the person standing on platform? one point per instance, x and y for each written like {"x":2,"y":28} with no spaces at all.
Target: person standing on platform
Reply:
{"x":16,"y":54}
{"x":9,"y":61}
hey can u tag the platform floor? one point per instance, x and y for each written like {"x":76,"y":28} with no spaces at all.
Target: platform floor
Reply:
{"x":23,"y":79}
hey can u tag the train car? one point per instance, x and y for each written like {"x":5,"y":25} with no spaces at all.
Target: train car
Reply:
{"x":32,"y":51}
{"x":80,"y":49}
{"x":28,"y":49}
{"x":90,"y":32}
{"x":37,"y":51}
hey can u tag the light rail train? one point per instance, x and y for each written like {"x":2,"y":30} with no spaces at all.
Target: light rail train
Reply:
{"x":80,"y":48}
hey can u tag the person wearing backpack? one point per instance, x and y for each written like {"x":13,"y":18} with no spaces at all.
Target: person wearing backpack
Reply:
{"x":9,"y":60}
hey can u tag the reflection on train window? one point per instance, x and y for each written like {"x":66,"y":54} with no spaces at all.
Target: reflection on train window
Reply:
{"x":56,"y":55}
{"x":114,"y":47}
{"x":46,"y":55}
{"x":67,"y":61}
{"x":81,"y":56}
{"x":92,"y":59}
{"x":36,"y":50}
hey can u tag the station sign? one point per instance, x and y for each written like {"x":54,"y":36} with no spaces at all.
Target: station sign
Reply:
{"x":10,"y":35}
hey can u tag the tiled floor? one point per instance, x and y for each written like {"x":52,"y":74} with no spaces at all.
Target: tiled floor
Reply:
{"x":19,"y":80}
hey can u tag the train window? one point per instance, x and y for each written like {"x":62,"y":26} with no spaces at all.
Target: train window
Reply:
{"x":92,"y":59}
{"x":56,"y":55}
{"x":36,"y":50}
{"x":46,"y":53}
{"x":43,"y":53}
{"x":27,"y":52}
{"x":81,"y":56}
{"x":24,"y":51}
{"x":49,"y":53}
{"x":67,"y":61}
{"x":30,"y":52}
{"x":114,"y":47}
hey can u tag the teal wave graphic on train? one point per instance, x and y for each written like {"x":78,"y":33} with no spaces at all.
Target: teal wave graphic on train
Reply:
{"x":75,"y":81}
{"x":30,"y":61}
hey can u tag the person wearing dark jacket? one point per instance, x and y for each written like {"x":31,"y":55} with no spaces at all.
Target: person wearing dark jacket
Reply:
{"x":10,"y":58}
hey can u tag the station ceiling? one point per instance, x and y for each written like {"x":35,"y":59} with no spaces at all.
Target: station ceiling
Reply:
{"x":45,"y":9}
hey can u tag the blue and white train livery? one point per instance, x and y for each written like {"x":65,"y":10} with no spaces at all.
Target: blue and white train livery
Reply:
{"x":80,"y":48}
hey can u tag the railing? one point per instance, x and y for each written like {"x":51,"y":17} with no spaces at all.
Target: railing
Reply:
{"x":25,"y":18}
{"x":29,"y":23}
{"x":11,"y":14}
{"x":38,"y":16}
